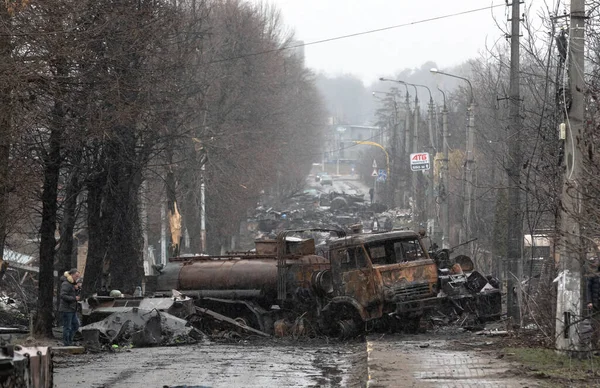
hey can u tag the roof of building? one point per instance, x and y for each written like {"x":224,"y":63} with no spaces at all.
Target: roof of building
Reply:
{"x":16,"y":257}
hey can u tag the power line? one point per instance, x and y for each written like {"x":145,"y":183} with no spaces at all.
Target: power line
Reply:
{"x":353,"y":35}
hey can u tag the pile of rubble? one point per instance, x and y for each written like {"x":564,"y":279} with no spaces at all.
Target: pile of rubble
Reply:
{"x":347,"y":211}
{"x":121,"y":323}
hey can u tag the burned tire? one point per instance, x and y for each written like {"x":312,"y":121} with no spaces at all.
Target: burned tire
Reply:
{"x":347,"y":329}
{"x":411,"y":325}
{"x":344,"y":322}
{"x":322,"y":282}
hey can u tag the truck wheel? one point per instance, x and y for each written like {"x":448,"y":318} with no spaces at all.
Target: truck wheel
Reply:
{"x":347,"y":328}
{"x":412,"y":325}
{"x":343,"y":322}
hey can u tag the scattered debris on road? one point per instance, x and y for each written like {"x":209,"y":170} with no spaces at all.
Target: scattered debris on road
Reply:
{"x":139,"y":328}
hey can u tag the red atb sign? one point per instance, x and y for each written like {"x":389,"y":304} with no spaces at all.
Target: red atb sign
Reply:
{"x":419,"y":161}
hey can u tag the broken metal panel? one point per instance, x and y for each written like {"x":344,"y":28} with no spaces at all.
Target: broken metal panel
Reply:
{"x":301,"y":248}
{"x":168,"y":278}
{"x":139,"y":328}
{"x":266,"y":247}
{"x":226,"y":294}
{"x":301,"y":270}
{"x":230,"y":321}
{"x":293,"y":246}
{"x":99,"y":307}
{"x":26,"y":367}
{"x":360,"y":285}
{"x":250,"y":312}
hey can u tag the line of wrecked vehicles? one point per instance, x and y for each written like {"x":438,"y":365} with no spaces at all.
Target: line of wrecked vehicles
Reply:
{"x":354,"y":284}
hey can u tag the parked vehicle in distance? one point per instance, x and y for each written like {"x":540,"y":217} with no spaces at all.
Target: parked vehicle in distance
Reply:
{"x":326,"y":180}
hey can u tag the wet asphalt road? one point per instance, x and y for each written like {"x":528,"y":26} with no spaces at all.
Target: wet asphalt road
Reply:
{"x":218,"y":365}
{"x":423,"y":360}
{"x":435,"y":361}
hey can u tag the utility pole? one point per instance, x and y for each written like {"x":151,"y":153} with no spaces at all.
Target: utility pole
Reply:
{"x":568,"y":300}
{"x":515,"y":220}
{"x":203,"y":209}
{"x":394,"y":148}
{"x":444,"y":187}
{"x":406,"y":145}
{"x":418,"y":210}
{"x":469,"y":167}
{"x":431,"y":208}
{"x":469,"y":160}
{"x":407,"y":125}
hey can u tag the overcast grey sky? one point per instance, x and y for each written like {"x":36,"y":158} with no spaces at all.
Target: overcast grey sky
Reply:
{"x":448,"y":41}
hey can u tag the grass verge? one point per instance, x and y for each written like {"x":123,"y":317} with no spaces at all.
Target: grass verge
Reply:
{"x":557,"y":369}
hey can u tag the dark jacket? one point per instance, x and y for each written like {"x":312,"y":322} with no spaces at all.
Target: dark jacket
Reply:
{"x":68,"y":302}
{"x":593,"y":290}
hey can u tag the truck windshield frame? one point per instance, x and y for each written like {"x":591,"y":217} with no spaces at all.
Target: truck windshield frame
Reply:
{"x":395,"y":251}
{"x":353,"y":257}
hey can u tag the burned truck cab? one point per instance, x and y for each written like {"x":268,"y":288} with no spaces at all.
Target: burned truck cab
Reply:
{"x":378,"y":275}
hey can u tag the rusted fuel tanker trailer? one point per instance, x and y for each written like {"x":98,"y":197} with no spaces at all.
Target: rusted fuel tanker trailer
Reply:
{"x":378,"y":278}
{"x":246,"y":276}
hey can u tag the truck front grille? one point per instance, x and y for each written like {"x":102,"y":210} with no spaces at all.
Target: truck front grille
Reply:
{"x":411,"y":292}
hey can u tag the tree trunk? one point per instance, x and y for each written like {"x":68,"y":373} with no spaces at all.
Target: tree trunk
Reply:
{"x":44,"y":319}
{"x":97,"y":235}
{"x":171,"y":191}
{"x":65,"y":252}
{"x":125,"y":248}
{"x":5,"y":120}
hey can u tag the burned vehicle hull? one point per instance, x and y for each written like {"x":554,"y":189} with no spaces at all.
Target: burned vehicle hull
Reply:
{"x":238,"y":278}
{"x":23,"y":367}
{"x":246,"y":286}
{"x":360,"y":282}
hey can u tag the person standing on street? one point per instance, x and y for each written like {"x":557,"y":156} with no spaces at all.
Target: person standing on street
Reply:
{"x":593,"y":301}
{"x":68,"y":305}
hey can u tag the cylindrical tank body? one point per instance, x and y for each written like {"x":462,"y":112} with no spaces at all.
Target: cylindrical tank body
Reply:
{"x":237,"y":278}
{"x":228,"y":275}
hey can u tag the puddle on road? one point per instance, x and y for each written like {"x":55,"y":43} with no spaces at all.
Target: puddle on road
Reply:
{"x":351,"y":373}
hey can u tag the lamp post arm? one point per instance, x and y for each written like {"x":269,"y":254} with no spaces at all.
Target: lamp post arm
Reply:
{"x":372,"y":143}
{"x":462,"y":78}
{"x":444,"y":95}
{"x":428,"y":91}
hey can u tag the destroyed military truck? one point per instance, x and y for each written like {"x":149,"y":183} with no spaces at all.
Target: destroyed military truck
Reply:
{"x":362,"y":282}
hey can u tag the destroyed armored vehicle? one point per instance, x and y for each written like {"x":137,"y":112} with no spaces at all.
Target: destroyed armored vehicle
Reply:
{"x":26,"y":367}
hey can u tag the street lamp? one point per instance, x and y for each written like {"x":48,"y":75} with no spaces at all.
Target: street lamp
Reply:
{"x":430,"y":120}
{"x":469,"y":159}
{"x":393,"y":177}
{"x":436,"y":71}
